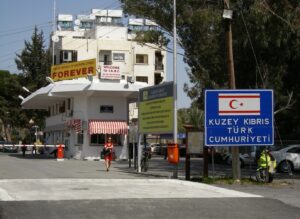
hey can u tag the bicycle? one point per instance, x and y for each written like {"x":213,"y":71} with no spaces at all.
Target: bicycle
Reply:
{"x":145,"y":160}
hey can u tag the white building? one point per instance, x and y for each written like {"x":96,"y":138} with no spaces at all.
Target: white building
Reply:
{"x":83,"y":111}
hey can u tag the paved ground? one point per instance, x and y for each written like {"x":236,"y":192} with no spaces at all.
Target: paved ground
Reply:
{"x":43,"y":187}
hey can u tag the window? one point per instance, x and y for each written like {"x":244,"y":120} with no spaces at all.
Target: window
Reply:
{"x":141,"y":59}
{"x":142,"y":79}
{"x":80,"y":137}
{"x":86,"y":25}
{"x":62,"y":107}
{"x":106,"y":109}
{"x":68,"y":56}
{"x":119,"y":57}
{"x":99,"y":139}
{"x":294,"y":150}
{"x":69,"y":104}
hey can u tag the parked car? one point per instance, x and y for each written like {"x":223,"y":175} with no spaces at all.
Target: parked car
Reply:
{"x":245,"y":159}
{"x":287,"y":158}
{"x":155,"y":148}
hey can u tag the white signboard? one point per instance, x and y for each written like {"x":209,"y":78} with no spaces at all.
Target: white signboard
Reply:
{"x":195,"y":142}
{"x":110,"y":72}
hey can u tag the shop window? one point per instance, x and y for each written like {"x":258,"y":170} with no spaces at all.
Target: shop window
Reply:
{"x":141,"y":59}
{"x":99,"y":139}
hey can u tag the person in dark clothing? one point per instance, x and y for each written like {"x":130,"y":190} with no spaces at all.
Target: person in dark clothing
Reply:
{"x":54,"y":152}
{"x":23,"y":148}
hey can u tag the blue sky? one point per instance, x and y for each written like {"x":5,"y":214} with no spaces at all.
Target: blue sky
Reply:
{"x":18,"y":18}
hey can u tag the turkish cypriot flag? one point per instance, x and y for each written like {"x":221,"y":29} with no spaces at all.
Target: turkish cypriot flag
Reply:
{"x":233,"y":104}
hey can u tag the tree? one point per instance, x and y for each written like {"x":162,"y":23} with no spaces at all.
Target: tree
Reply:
{"x":34,"y":61}
{"x":266,"y":46}
{"x":10,"y":112}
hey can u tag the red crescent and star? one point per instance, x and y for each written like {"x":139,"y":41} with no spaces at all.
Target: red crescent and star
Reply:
{"x":234,"y":104}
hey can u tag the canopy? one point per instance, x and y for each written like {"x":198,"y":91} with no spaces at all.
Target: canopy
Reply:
{"x":108,"y":127}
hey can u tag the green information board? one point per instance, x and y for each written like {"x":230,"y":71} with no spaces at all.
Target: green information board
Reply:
{"x":156,"y":109}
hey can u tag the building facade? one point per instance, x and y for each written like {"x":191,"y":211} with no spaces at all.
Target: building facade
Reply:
{"x":84,"y":111}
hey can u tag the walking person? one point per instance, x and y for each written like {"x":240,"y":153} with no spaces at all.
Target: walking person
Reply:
{"x":108,"y":155}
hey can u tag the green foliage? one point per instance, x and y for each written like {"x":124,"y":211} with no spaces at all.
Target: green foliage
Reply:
{"x":34,"y":61}
{"x":192,"y":116}
{"x":151,"y":36}
{"x":266,"y":47}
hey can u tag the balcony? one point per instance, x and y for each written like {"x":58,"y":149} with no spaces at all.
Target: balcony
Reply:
{"x":159,"y":67}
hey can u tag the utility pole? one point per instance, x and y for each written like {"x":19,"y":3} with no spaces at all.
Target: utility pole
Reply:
{"x":54,"y":29}
{"x":175,"y":173}
{"x":227,"y":15}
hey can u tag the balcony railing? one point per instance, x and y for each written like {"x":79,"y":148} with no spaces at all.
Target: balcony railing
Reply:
{"x":159,"y":67}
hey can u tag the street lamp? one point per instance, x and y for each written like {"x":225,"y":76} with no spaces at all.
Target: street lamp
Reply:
{"x":36,"y":132}
{"x":21,"y":97}
{"x":50,"y":80}
{"x":31,"y":122}
{"x":26,"y":89}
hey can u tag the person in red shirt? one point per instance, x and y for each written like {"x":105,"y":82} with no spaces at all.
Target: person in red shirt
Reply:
{"x":108,"y":156}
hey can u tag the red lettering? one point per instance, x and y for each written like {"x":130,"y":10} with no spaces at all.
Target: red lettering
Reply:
{"x":60,"y":74}
{"x":54,"y":75}
{"x":78,"y":71}
{"x":84,"y":71}
{"x":66,"y":74}
{"x":90,"y":70}
{"x":72,"y":73}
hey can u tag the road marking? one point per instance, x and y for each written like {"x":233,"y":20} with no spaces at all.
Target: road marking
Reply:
{"x":93,"y":189}
{"x":4,"y":196}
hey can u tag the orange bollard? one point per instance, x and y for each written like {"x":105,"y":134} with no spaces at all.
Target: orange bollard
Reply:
{"x":60,"y":153}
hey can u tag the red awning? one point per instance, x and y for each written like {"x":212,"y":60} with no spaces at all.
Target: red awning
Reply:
{"x":108,"y":127}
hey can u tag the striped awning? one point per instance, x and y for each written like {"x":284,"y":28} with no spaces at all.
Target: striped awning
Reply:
{"x":74,"y":124}
{"x":108,"y":127}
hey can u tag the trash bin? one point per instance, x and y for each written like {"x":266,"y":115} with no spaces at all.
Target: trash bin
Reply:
{"x":173,"y":153}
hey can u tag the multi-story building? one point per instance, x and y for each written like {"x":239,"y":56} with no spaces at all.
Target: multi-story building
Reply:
{"x":83,"y":111}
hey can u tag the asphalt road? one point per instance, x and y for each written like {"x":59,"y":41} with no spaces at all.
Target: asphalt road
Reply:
{"x":42,"y":187}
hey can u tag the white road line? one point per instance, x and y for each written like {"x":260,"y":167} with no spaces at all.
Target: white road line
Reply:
{"x":4,"y":196}
{"x":92,"y":189}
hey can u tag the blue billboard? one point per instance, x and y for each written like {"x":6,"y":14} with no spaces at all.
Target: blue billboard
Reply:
{"x":239,"y":117}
